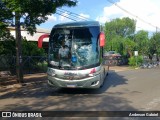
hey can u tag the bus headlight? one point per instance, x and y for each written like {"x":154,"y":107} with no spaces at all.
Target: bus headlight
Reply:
{"x":51,"y":72}
{"x":92,"y":72}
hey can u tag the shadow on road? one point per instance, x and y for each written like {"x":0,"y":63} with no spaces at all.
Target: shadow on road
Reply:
{"x":41,"y":89}
{"x":40,"y":97}
{"x":112,"y":80}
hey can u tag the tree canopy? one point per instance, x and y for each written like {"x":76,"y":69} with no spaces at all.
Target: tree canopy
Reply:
{"x":122,"y":37}
{"x":26,"y":13}
{"x":31,"y":12}
{"x":122,"y":27}
{"x":118,"y":32}
{"x":142,"y":42}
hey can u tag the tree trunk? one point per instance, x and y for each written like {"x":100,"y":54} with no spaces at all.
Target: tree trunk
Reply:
{"x":19,"y":70}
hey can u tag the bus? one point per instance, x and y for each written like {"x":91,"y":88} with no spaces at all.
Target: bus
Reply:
{"x":75,"y":55}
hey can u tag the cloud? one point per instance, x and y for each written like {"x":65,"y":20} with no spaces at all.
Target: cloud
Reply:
{"x":84,"y":16}
{"x":52,"y":18}
{"x":102,"y":19}
{"x":145,"y":12}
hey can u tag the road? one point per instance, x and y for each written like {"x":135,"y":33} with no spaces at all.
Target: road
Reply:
{"x":127,"y":90}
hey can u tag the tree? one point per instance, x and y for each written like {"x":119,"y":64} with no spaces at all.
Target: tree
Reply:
{"x":5,"y":18}
{"x":30,"y":13}
{"x":117,"y":44}
{"x":5,"y":15}
{"x":154,"y":47}
{"x":122,"y":27}
{"x":117,"y":31}
{"x":142,"y":42}
{"x":129,"y":46}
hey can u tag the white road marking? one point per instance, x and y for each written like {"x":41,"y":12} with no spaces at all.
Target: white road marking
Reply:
{"x":152,"y":104}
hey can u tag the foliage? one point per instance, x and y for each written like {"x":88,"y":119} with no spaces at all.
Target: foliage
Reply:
{"x":135,"y":61}
{"x":42,"y":66}
{"x":154,"y":47}
{"x":28,"y":48}
{"x":27,"y":13}
{"x":117,"y":44}
{"x":121,"y":37}
{"x":5,"y":16}
{"x":32,"y":12}
{"x":31,"y":49}
{"x":129,"y":46}
{"x":7,"y":48}
{"x":118,"y":32}
{"x":120,"y":27}
{"x":141,"y":39}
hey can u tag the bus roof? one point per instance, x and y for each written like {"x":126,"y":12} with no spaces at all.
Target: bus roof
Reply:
{"x":77,"y":24}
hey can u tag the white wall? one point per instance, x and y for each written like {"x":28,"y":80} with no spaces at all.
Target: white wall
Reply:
{"x":35,"y":37}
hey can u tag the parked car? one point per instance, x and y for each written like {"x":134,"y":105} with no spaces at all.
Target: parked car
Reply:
{"x":112,"y":54}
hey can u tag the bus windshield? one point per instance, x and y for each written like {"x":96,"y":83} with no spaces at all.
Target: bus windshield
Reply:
{"x":74,"y":48}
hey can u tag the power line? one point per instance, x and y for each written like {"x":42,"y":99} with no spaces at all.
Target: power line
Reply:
{"x":65,"y":16}
{"x":71,"y":15}
{"x":132,"y":14}
{"x":75,"y":14}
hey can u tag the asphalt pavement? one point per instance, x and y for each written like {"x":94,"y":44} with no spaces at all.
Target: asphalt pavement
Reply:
{"x":125,"y":89}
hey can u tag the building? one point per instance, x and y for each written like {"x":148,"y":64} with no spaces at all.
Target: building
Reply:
{"x":25,"y":34}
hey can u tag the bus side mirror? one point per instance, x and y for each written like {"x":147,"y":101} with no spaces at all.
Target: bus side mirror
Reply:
{"x":102,"y":39}
{"x":40,"y":39}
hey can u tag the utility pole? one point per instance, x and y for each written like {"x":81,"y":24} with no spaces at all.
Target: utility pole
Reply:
{"x":19,"y":70}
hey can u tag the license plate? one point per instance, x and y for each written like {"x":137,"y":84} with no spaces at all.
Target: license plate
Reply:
{"x":72,"y":86}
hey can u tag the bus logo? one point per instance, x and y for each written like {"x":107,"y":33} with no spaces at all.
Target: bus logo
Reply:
{"x":70,"y":74}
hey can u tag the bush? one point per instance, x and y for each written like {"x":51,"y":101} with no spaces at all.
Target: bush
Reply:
{"x":7,"y":48}
{"x":28,"y":48}
{"x":31,"y":49}
{"x":135,"y":61}
{"x":8,"y":56}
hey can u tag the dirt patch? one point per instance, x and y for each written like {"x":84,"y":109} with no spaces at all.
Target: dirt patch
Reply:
{"x":119,"y":68}
{"x":11,"y":81}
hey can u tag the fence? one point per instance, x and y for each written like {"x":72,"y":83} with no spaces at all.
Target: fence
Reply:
{"x":116,"y":60}
{"x":38,"y":64}
{"x":31,"y":64}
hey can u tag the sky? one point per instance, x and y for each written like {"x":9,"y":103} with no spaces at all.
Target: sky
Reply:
{"x":145,"y":12}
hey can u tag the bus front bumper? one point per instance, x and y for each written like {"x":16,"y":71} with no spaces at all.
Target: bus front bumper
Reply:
{"x":89,"y":82}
